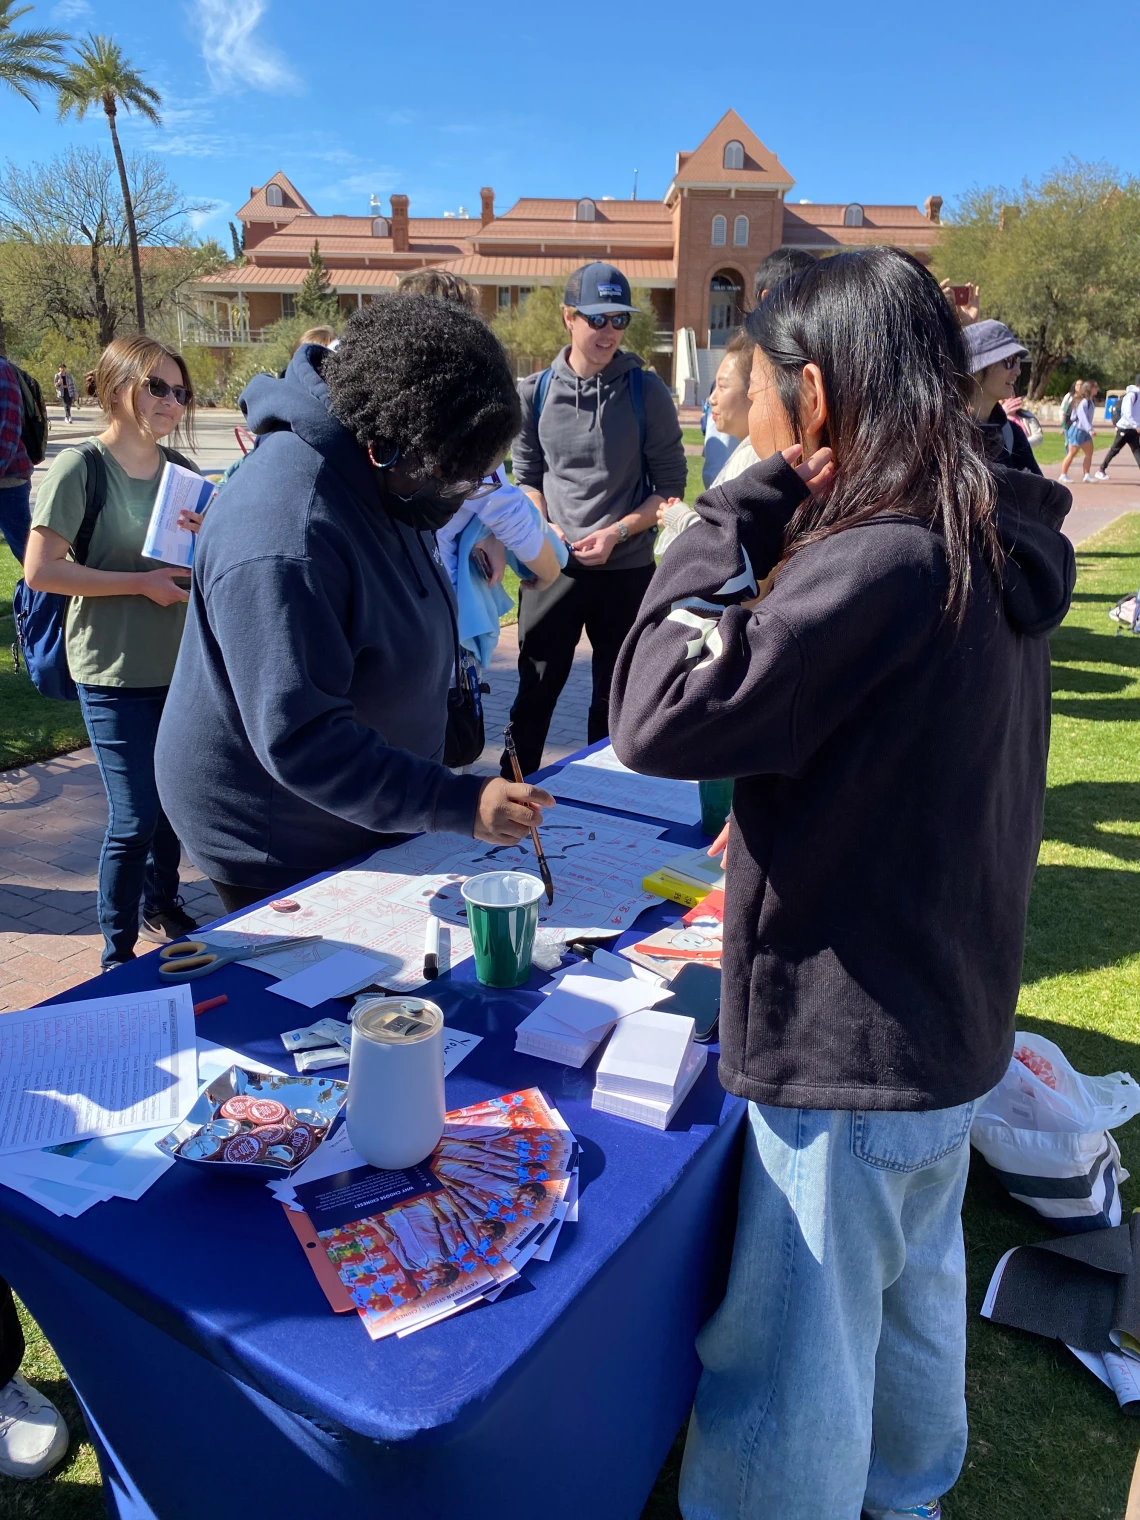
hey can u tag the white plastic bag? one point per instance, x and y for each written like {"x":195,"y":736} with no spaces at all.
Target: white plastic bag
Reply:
{"x":1044,"y":1130}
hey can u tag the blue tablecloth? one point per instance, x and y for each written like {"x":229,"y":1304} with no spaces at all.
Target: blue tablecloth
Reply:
{"x":215,"y":1377}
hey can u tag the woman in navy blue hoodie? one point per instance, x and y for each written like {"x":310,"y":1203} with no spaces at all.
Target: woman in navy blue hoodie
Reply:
{"x":884,"y":710}
{"x":305,"y":722}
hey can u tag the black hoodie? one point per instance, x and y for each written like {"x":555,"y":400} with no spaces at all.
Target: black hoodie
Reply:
{"x":890,"y":781}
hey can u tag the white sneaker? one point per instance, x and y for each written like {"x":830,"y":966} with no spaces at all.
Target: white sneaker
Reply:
{"x":33,"y":1436}
{"x":1088,"y":479}
{"x":1100,"y":475}
{"x":1065,"y":480}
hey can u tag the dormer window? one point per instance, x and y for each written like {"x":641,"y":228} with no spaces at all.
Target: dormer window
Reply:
{"x":740,"y":232}
{"x":586,"y":212}
{"x":381,"y":227}
{"x":719,"y":231}
{"x":273,"y":196}
{"x":734,"y":155}
{"x":853,"y":216}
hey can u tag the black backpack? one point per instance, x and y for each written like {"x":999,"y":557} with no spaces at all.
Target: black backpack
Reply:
{"x":34,"y":433}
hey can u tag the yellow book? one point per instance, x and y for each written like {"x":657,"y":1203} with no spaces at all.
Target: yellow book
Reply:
{"x":662,"y":884}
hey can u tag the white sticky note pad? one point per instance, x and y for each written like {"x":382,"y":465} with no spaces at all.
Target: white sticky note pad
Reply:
{"x":342,"y":973}
{"x":584,"y":1002}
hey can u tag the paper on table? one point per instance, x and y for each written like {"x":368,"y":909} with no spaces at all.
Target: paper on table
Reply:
{"x":350,"y":910}
{"x":98,"y":1067}
{"x":646,"y":1056}
{"x":585,"y":1002}
{"x":603,"y":780}
{"x":179,"y":490}
{"x":340,"y":974}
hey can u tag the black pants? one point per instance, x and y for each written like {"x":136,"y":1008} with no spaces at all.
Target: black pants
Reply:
{"x":11,"y":1336}
{"x":603,"y":602}
{"x":234,"y":899}
{"x":1124,"y":436}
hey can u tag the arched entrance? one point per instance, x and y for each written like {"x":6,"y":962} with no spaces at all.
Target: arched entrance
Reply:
{"x":726,"y":305}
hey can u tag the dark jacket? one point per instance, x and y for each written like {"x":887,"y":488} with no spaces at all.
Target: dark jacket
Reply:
{"x":890,"y":777}
{"x":586,"y":456}
{"x":306,"y":718}
{"x":1007,"y":444}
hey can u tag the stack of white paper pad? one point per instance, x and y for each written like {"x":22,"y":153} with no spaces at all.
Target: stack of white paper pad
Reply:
{"x":648,"y":1067}
{"x":581,"y":1006}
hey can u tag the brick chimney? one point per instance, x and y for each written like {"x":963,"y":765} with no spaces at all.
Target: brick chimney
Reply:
{"x":932,"y":207}
{"x":399,"y":224}
{"x":486,"y":205}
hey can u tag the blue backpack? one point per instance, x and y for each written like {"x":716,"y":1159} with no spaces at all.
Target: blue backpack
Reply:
{"x":636,"y":400}
{"x":41,"y":616}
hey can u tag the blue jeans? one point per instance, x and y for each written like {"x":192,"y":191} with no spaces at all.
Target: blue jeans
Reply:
{"x":834,"y":1370}
{"x":16,"y":516}
{"x":140,"y":854}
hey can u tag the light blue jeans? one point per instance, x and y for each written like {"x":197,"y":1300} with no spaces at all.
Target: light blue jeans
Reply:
{"x":834,"y":1370}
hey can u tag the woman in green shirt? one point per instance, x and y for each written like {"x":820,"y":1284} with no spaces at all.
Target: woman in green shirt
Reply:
{"x":124,"y":625}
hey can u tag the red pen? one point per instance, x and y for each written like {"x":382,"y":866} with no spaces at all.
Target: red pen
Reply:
{"x":215,"y":1002}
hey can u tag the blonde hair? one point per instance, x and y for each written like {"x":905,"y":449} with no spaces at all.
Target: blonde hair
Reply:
{"x":322,"y":335}
{"x":125,"y":365}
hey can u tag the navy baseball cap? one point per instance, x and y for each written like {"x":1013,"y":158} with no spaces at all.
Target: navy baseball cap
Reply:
{"x":598,"y":288}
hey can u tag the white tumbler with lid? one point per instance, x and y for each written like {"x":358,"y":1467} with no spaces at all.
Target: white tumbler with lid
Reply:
{"x":395,"y":1081}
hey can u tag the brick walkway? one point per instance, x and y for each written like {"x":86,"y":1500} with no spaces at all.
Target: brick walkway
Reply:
{"x":52,"y":815}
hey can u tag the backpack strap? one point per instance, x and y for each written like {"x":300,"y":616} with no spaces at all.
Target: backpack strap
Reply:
{"x":174,"y":457}
{"x":96,"y":468}
{"x":637,"y":401}
{"x":538,"y":398}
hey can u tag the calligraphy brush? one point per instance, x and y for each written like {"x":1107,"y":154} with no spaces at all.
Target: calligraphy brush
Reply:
{"x":543,"y":868}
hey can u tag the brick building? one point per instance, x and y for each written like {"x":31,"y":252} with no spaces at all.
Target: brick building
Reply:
{"x":696,"y":251}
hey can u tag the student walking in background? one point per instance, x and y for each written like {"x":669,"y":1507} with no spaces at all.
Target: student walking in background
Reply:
{"x":1127,"y":429}
{"x":884,"y":711}
{"x":124,"y":624}
{"x":600,"y":448}
{"x":65,"y":391}
{"x":15,"y":466}
{"x":1079,"y":433}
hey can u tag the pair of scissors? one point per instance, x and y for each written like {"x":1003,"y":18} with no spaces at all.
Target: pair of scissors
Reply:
{"x":190,"y":959}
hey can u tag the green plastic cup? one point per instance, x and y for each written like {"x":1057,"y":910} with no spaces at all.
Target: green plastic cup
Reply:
{"x":716,"y":804}
{"x":502,"y":914}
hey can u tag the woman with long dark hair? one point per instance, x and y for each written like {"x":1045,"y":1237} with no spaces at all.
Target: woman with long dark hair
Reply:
{"x":884,"y":711}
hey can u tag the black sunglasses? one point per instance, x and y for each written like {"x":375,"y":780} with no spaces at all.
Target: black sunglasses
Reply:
{"x":160,"y":390}
{"x":598,"y":319}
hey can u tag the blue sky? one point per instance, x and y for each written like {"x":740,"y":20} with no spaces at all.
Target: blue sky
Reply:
{"x":891,"y":102}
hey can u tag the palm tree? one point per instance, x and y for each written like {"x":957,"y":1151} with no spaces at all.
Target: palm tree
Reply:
{"x":27,"y":59}
{"x":101,"y":76}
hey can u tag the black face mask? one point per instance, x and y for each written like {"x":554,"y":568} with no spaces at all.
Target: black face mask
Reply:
{"x":425,"y":510}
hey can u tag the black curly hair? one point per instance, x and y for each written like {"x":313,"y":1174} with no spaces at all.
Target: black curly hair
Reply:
{"x":426,"y":376}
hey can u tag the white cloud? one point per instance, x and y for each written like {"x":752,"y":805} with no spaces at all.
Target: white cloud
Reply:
{"x":207,"y":212}
{"x":71,"y":10}
{"x":234,"y":54}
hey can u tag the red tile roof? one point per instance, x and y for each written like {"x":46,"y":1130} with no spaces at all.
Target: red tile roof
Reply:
{"x":257,"y":209}
{"x":810,"y":226}
{"x":505,"y":270}
{"x":705,"y":164}
{"x":537,"y":209}
{"x":269,"y":277}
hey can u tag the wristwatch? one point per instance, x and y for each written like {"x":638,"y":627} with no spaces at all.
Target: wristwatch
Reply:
{"x":623,"y":532}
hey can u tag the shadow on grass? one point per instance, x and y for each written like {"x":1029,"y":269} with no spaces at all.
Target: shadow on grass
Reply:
{"x":1080,"y":646}
{"x":1080,"y":918}
{"x":1073,"y":678}
{"x":1081,"y":813}
{"x":1099,"y":710}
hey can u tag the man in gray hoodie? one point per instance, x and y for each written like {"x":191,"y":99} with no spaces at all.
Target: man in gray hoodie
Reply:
{"x":600,"y":447}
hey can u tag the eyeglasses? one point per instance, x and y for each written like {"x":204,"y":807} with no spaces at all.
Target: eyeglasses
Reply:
{"x":598,"y":319}
{"x":1014,"y":361}
{"x":160,"y":390}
